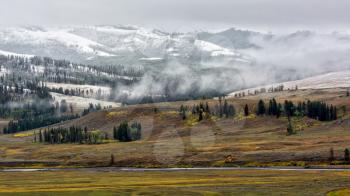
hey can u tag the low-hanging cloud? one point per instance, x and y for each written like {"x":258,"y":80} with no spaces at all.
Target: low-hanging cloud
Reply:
{"x":269,"y":59}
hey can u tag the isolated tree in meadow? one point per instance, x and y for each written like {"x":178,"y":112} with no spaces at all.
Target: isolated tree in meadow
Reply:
{"x":246,"y":110}
{"x":331,"y":155}
{"x":200,"y":118}
{"x":112,"y":159}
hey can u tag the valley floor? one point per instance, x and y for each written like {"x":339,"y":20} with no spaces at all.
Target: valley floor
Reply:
{"x":212,"y":182}
{"x":169,"y":141}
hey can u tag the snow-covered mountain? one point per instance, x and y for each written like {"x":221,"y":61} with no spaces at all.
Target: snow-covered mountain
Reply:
{"x":249,"y":58}
{"x":121,"y":43}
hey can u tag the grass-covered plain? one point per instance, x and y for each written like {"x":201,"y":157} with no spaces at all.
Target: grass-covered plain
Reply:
{"x":211,"y":182}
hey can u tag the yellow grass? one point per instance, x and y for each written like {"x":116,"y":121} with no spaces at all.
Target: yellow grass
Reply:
{"x":111,"y":115}
{"x":24,"y":134}
{"x":212,"y":182}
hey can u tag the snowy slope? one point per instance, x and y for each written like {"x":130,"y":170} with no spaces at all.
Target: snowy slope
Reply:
{"x":329,"y":80}
{"x":6,"y":53}
{"x":82,"y":102}
{"x":81,"y":43}
{"x":37,"y":37}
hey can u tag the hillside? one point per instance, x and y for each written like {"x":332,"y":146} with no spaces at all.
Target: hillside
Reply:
{"x":325,"y":81}
{"x":168,"y":140}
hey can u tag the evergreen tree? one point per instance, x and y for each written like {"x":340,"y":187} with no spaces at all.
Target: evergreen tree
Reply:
{"x":246,"y":110}
{"x":261,"y":108}
{"x":225,"y":109}
{"x":112,"y":159}
{"x":200,"y":118}
{"x":126,"y":133}
{"x":123,"y":132}
{"x":207,"y":109}
{"x":40,"y":136}
{"x":279,"y":110}
{"x":290,"y":129}
{"x":183,"y":111}
{"x":331,"y":155}
{"x":115,"y":133}
{"x":346,"y":155}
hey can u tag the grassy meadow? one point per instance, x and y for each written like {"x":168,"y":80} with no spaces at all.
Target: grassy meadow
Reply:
{"x":212,"y":182}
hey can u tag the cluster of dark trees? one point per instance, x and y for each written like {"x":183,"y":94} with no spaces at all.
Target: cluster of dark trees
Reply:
{"x":70,"y":135}
{"x":91,"y":108}
{"x":223,"y":109}
{"x":63,"y":71}
{"x":18,"y":91}
{"x":126,"y":133}
{"x":201,"y":110}
{"x":313,"y":109}
{"x":274,"y":108}
{"x":99,"y":94}
{"x":192,"y":94}
{"x":35,"y":121}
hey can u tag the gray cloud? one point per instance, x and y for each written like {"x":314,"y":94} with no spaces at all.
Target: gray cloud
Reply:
{"x":181,"y":14}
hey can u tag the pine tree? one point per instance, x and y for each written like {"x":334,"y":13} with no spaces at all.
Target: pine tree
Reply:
{"x":279,"y":110}
{"x":115,"y":133}
{"x":40,"y":137}
{"x":183,"y":112}
{"x":112,"y":159}
{"x":270,"y":109}
{"x":346,"y":155}
{"x":331,"y":155}
{"x":34,"y":136}
{"x":200,"y":118}
{"x":225,"y":108}
{"x":220,"y":107}
{"x":246,"y":110}
{"x":207,"y":109}
{"x":261,"y":108}
{"x":290,"y":129}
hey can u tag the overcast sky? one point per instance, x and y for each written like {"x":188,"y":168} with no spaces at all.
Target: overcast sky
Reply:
{"x":182,"y":15}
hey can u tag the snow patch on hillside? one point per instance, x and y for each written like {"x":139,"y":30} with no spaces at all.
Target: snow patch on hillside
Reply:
{"x":105,"y":91}
{"x":215,"y":50}
{"x":6,"y":53}
{"x":43,"y":37}
{"x":329,"y":80}
{"x":82,"y":102}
